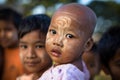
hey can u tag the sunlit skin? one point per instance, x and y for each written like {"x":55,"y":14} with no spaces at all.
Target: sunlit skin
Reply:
{"x":8,"y":34}
{"x":33,"y":54}
{"x":93,"y":63}
{"x":67,"y":35}
{"x":114,"y":66}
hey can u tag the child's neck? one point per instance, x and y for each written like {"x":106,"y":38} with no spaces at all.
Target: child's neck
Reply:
{"x":31,"y":76}
{"x":78,"y":64}
{"x":39,"y":74}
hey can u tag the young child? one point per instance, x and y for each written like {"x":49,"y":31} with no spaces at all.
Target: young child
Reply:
{"x":32,"y":35}
{"x":109,"y":50}
{"x":69,"y":35}
{"x":9,"y":21}
{"x":92,"y":61}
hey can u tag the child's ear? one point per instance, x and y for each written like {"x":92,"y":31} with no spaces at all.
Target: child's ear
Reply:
{"x":89,"y":44}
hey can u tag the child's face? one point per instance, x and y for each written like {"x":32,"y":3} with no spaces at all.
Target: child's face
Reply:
{"x":8,"y":34}
{"x":93,"y":63}
{"x":32,"y":52}
{"x":65,"y":40}
{"x":114,"y":65}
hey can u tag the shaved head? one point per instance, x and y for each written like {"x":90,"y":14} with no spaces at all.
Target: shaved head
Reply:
{"x":70,"y":33}
{"x":80,"y":14}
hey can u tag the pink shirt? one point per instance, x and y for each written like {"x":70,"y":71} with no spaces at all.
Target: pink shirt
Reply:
{"x":65,"y":72}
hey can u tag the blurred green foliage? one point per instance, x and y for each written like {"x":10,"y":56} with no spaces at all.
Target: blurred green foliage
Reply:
{"x":28,"y":7}
{"x":107,"y":11}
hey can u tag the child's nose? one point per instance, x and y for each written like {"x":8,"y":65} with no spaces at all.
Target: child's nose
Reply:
{"x":31,"y":54}
{"x":58,"y":42}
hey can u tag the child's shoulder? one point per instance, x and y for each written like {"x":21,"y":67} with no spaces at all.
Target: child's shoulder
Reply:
{"x":65,"y":71}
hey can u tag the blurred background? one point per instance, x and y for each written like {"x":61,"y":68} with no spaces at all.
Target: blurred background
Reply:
{"x":107,"y":11}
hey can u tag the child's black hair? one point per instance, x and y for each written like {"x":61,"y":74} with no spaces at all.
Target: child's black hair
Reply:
{"x":109,"y":44}
{"x":34,"y":22}
{"x":9,"y":14}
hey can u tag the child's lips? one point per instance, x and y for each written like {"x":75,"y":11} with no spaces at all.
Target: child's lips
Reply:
{"x":32,"y":63}
{"x":56,"y":52}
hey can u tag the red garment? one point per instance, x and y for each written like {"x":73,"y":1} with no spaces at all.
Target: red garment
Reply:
{"x":13,"y":67}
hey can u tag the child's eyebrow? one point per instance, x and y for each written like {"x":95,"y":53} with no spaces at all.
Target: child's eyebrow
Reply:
{"x":53,"y":26}
{"x":40,"y":41}
{"x":80,"y":32}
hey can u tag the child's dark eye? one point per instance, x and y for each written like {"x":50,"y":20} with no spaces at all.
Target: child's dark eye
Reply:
{"x":23,"y":46}
{"x":69,"y":36}
{"x":52,"y":31}
{"x":39,"y":46}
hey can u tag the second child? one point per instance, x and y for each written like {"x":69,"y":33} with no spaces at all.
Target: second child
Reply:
{"x":32,"y":35}
{"x":109,"y":50}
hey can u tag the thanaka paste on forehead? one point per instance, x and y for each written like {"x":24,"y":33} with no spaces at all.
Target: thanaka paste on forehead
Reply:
{"x":65,"y":21}
{"x":71,"y":15}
